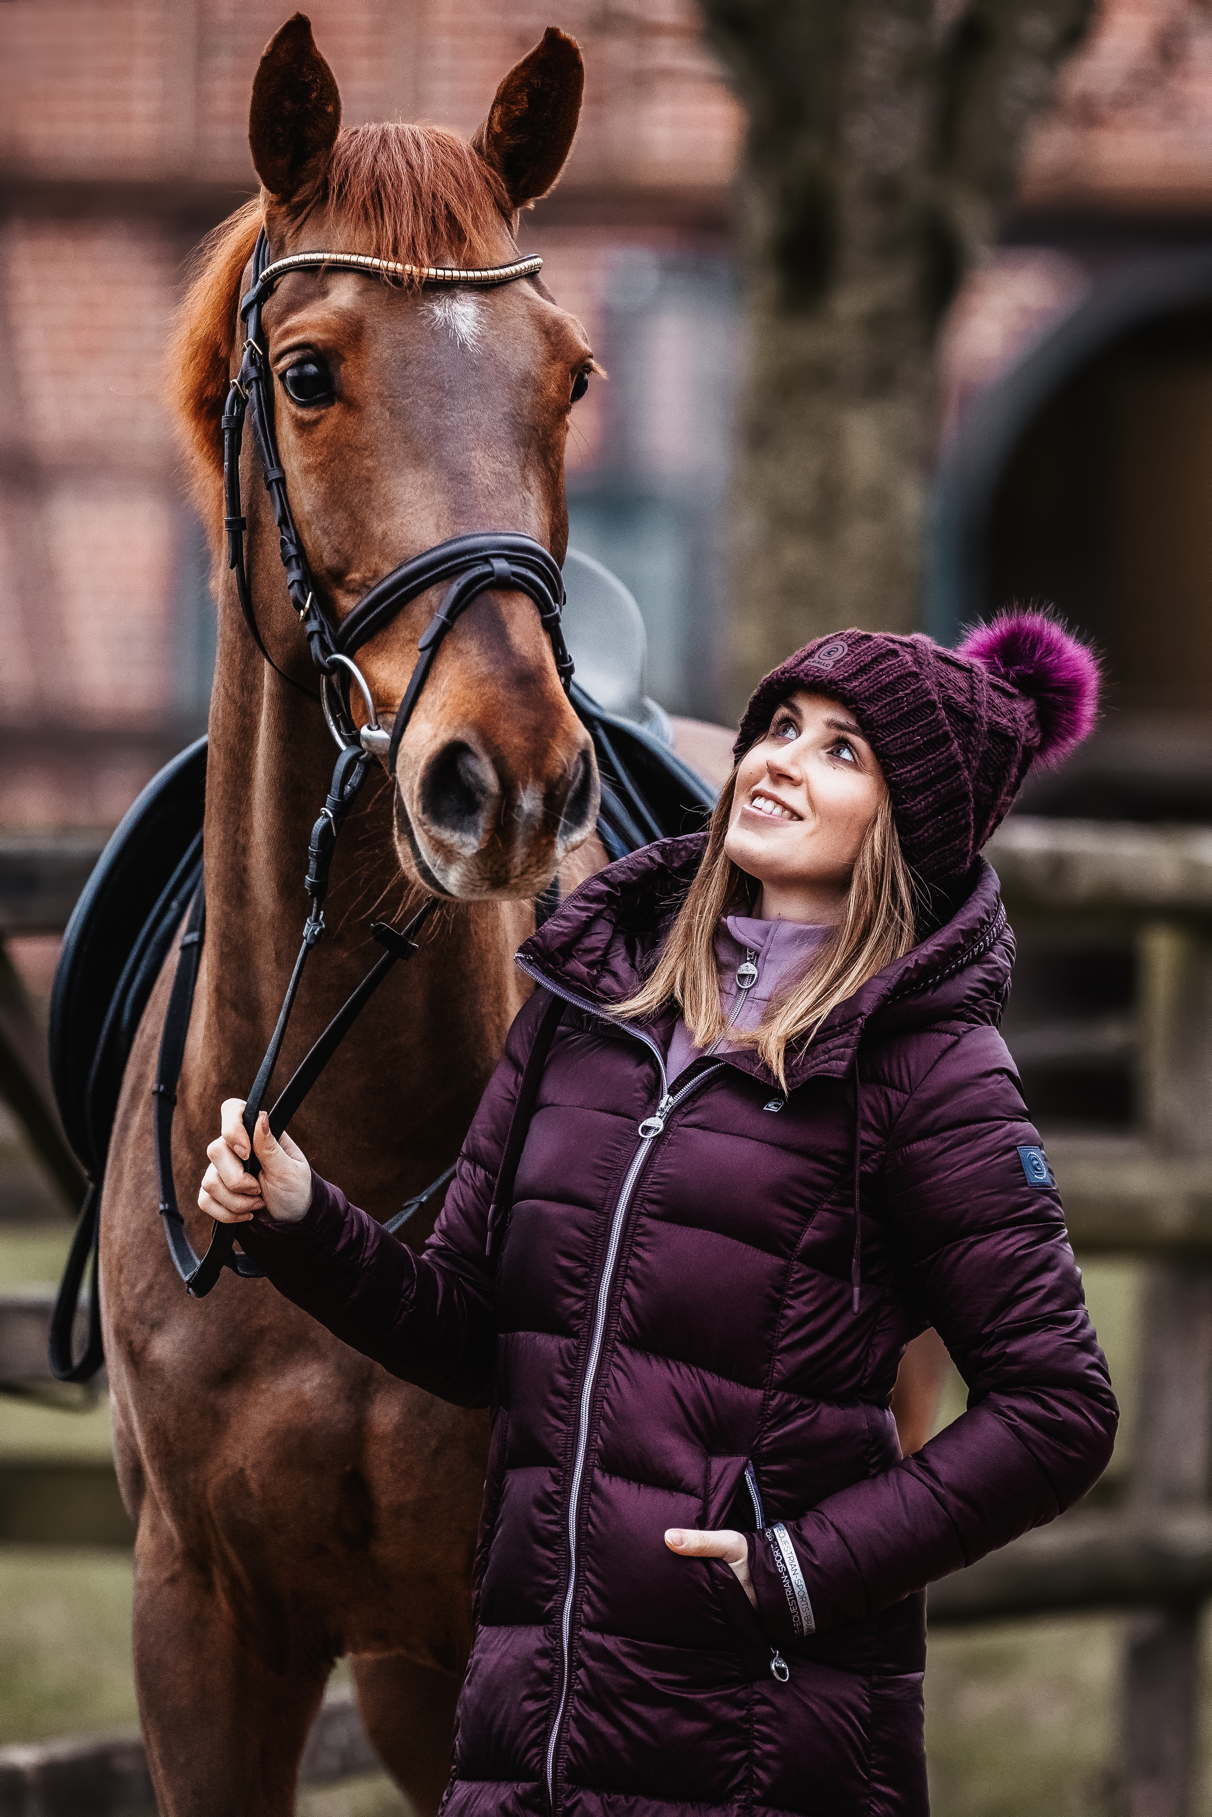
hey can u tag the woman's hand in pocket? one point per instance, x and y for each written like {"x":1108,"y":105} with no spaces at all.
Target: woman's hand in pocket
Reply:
{"x":724,"y":1543}
{"x":231,"y":1195}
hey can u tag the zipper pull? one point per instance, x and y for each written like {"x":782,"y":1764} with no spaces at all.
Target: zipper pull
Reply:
{"x":778,"y":1666}
{"x":653,"y":1125}
{"x":747,"y":971}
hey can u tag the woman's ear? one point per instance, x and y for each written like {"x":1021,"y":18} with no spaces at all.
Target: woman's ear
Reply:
{"x":533,"y":118}
{"x":295,"y":113}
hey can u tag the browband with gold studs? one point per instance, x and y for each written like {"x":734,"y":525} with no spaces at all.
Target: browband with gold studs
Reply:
{"x":391,"y":268}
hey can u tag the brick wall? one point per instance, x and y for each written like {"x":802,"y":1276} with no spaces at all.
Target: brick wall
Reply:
{"x":145,"y":86}
{"x":142,"y":92}
{"x":103,"y":100}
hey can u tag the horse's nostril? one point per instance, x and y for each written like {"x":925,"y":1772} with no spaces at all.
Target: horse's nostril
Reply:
{"x":456,"y":790}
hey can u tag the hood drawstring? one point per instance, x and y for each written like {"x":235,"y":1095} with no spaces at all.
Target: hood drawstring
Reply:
{"x":856,"y":1254}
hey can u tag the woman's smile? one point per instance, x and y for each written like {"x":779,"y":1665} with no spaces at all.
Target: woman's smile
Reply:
{"x":764,"y":806}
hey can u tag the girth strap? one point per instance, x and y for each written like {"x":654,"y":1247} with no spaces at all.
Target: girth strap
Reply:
{"x":81,"y":1260}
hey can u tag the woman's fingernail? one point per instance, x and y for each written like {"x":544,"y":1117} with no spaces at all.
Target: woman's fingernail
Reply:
{"x":673,"y":1537}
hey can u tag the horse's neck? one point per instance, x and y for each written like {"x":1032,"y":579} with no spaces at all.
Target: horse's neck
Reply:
{"x":433,"y":1033}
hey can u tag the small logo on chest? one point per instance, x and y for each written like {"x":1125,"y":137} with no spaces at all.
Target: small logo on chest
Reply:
{"x":1035,"y":1165}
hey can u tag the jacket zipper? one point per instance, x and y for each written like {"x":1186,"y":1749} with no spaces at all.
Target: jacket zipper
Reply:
{"x":789,"y":1570}
{"x":778,"y":1665}
{"x":650,"y":1129}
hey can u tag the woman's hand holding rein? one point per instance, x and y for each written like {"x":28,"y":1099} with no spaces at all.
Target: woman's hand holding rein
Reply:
{"x":231,"y":1195}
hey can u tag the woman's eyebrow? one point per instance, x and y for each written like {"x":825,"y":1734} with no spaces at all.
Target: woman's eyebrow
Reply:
{"x":844,"y":725}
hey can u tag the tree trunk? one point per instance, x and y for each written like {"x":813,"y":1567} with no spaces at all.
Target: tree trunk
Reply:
{"x":883,"y":140}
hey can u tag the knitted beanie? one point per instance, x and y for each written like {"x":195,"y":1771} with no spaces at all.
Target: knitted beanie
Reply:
{"x":955,"y":731}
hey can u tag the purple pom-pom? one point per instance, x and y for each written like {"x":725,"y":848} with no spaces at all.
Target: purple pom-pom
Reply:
{"x":1039,"y":655}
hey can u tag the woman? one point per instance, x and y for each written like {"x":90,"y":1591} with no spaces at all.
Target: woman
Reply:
{"x":755,"y":1130}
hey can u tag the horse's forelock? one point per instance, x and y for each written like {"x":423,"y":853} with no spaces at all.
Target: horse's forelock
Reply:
{"x":417,"y":194}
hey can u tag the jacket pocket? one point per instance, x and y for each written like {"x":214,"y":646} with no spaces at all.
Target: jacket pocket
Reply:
{"x":733,"y":1498}
{"x":726,"y":1500}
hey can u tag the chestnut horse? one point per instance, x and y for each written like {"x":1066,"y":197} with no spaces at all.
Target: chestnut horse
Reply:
{"x":294,"y":1503}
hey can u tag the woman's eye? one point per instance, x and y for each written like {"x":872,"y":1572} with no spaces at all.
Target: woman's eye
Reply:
{"x":848,"y":746}
{"x":580,"y":384}
{"x":308,"y":381}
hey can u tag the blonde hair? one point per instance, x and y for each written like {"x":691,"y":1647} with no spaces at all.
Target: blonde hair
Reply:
{"x":879,"y":922}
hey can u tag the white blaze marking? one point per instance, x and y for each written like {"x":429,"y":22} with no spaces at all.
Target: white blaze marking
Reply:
{"x":462,"y":315}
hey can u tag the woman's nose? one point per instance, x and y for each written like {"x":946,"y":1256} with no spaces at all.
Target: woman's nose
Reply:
{"x":784,"y":763}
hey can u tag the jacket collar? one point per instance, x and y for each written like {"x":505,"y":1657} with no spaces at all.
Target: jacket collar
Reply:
{"x":600,"y":943}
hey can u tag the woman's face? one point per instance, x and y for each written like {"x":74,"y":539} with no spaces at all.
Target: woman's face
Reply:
{"x":805,"y":794}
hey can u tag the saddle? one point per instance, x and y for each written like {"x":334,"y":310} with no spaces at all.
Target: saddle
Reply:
{"x":123,"y":924}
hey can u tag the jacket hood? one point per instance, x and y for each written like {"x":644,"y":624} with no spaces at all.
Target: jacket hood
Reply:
{"x":603,"y":939}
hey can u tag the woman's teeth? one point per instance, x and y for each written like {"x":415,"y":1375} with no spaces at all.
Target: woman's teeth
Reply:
{"x":764,"y":805}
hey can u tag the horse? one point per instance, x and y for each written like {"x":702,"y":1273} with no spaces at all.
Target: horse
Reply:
{"x":293,"y":1503}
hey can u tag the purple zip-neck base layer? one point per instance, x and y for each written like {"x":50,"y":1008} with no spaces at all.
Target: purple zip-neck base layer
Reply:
{"x":781,"y":947}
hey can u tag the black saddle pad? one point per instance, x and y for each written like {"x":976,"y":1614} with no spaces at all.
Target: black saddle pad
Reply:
{"x":647,"y":791}
{"x":114,"y":946}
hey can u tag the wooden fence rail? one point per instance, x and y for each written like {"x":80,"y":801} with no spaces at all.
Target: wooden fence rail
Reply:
{"x":107,"y":1776}
{"x":1143,"y":1192}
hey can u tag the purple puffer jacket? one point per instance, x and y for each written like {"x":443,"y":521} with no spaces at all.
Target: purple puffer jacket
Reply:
{"x":687,"y":1308}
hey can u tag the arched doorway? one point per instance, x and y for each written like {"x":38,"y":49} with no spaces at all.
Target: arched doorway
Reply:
{"x":1084,"y":477}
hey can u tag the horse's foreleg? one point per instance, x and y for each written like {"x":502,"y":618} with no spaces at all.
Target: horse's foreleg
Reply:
{"x":224,"y":1730}
{"x":408,"y":1713}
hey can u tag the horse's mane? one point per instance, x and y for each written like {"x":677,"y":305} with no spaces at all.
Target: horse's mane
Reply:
{"x":417,"y":194}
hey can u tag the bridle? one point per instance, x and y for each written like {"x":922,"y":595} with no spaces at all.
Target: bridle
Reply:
{"x":473,"y":564}
{"x":646,"y":794}
{"x":468,"y":566}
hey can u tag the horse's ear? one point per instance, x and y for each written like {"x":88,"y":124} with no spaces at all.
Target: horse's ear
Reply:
{"x":295,"y":113}
{"x":530,"y":126}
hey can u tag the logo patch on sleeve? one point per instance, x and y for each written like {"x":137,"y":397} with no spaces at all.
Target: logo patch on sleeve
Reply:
{"x":1035,"y":1165}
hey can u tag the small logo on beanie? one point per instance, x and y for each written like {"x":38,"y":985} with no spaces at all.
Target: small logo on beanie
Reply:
{"x":828,"y":654}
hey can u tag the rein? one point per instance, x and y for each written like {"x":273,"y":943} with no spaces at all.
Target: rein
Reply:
{"x":471,"y":565}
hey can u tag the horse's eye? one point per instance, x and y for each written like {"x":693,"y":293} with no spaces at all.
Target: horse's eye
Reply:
{"x":580,"y":384}
{"x":308,"y":381}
